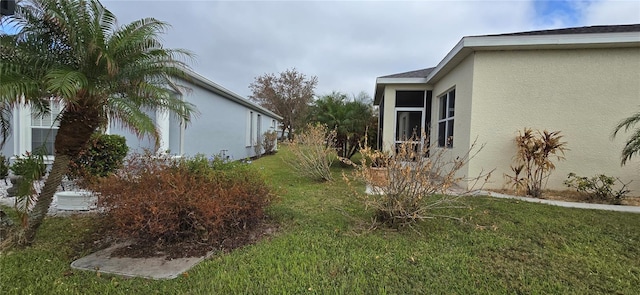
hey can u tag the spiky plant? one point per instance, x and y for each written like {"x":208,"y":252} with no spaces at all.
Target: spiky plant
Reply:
{"x":536,"y":151}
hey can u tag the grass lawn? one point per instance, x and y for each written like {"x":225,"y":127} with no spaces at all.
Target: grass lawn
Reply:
{"x":324,"y":246}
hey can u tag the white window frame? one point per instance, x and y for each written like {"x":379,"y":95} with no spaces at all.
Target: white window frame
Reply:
{"x":23,"y":126}
{"x":258,"y":128}
{"x":421,"y":109}
{"x":249,"y":130}
{"x":448,"y":120}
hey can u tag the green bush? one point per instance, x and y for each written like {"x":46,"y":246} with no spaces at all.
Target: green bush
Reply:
{"x":599,"y":187}
{"x":30,"y":166}
{"x":104,"y":154}
{"x":174,"y":201}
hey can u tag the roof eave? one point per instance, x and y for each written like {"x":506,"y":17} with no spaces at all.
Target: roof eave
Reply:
{"x":470,"y":44}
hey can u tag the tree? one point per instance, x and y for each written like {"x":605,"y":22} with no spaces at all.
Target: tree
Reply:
{"x":73,"y":53}
{"x":352,"y":119}
{"x":632,"y":147}
{"x":287,"y":94}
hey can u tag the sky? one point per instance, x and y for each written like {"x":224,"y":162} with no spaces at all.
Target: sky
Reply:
{"x":347,"y":44}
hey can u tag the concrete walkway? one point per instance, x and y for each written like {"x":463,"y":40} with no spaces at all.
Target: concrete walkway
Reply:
{"x":619,"y":208}
{"x":157,"y":268}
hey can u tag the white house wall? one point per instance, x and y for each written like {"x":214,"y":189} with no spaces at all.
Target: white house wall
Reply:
{"x":221,"y":126}
{"x":219,"y":129}
{"x":582,"y":93}
{"x":135,"y":144}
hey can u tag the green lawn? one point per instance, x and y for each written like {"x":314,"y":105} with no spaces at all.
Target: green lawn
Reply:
{"x":325,"y":246}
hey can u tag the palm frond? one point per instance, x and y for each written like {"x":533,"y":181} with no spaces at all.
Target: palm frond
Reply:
{"x":627,"y":123}
{"x":632,"y":146}
{"x":6,"y":112}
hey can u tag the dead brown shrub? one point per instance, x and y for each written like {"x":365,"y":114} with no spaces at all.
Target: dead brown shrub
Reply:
{"x":313,"y":152}
{"x":534,"y":160}
{"x":417,"y":182}
{"x":164,"y":201}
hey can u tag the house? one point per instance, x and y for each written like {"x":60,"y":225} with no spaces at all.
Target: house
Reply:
{"x":579,"y":81}
{"x":228,"y":125}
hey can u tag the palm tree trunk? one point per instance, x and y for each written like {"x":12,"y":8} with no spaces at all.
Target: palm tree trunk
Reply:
{"x":76,"y":127}
{"x":58,"y":169}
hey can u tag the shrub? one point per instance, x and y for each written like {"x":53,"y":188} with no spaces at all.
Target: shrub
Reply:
{"x":164,"y":201}
{"x":29,"y":167}
{"x":257,"y":148}
{"x":269,"y":141}
{"x":599,"y":187}
{"x":314,"y":152}
{"x":104,"y":154}
{"x":535,"y":152}
{"x":417,"y":182}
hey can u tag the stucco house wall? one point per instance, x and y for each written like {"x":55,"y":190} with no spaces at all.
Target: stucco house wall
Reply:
{"x":227,"y":125}
{"x":584,"y":93}
{"x":222,"y":126}
{"x":579,"y":81}
{"x":461,"y":79}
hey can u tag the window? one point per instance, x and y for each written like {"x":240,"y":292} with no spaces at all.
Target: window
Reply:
{"x":250,"y":131}
{"x":408,"y":125}
{"x":44,"y":129}
{"x":409,"y":98}
{"x":445,"y":124}
{"x":258,"y":130}
{"x":410,"y":117}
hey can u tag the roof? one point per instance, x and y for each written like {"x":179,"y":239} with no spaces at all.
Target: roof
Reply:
{"x":612,"y":36}
{"x":423,"y":73}
{"x":200,"y":80}
{"x":579,"y":30}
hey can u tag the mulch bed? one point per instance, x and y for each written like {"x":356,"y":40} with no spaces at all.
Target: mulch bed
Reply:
{"x":103,"y":237}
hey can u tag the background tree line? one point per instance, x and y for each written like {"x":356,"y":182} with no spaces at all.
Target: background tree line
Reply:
{"x":290,"y":94}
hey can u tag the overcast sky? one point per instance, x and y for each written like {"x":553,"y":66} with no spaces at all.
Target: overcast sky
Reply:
{"x":347,"y":44}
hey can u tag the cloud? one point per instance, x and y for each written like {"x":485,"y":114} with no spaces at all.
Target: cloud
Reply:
{"x":612,"y":12}
{"x":345,"y":44}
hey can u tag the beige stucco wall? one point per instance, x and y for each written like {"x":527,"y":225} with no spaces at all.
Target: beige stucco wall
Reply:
{"x":582,"y":93}
{"x":460,"y":78}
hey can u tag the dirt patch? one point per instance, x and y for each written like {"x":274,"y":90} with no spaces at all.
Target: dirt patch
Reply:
{"x":573,"y":196}
{"x":103,"y":237}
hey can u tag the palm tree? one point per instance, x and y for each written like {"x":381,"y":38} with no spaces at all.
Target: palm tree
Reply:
{"x":350,"y":118}
{"x":74,"y":53}
{"x":633,"y":144}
